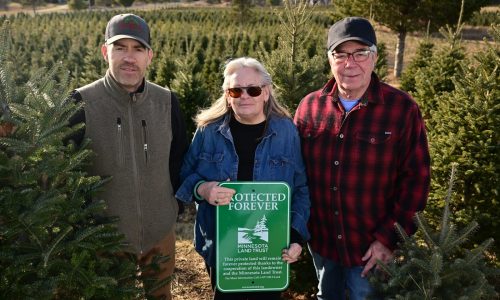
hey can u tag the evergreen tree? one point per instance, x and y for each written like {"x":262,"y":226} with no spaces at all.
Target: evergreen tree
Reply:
{"x":422,"y":59}
{"x":436,"y":265}
{"x":381,"y":65}
{"x":55,"y":242}
{"x":294,"y":72}
{"x":212,"y":78}
{"x":77,"y":4}
{"x":188,"y":87}
{"x":242,"y":10}
{"x":165,"y":69}
{"x":465,"y":130}
{"x":94,"y":66}
{"x":436,"y":77}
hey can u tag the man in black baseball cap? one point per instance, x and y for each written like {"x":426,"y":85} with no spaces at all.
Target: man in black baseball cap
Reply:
{"x":365,"y":146}
{"x":139,"y":140}
{"x":351,"y":29}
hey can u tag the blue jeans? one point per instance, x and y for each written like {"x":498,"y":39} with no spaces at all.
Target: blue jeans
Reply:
{"x":334,"y":279}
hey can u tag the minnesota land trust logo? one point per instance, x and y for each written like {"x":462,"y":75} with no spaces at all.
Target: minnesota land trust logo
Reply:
{"x":254,"y":240}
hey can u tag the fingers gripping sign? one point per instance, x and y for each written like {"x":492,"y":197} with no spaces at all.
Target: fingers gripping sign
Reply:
{"x":292,"y":254}
{"x":215,"y":194}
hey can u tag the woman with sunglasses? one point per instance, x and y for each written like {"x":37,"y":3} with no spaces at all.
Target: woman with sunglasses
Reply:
{"x":246,"y":135}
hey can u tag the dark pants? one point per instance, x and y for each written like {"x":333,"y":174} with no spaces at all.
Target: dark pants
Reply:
{"x":218,"y":295}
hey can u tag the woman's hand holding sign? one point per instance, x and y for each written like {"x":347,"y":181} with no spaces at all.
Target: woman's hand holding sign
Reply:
{"x":215,"y":194}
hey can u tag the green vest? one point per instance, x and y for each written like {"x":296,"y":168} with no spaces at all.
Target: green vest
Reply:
{"x":131,"y":137}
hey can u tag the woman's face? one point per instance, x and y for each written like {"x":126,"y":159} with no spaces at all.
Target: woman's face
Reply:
{"x":247,"y":109}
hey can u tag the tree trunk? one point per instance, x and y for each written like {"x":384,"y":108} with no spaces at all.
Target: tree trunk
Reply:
{"x":400,"y":52}
{"x":33,"y":4}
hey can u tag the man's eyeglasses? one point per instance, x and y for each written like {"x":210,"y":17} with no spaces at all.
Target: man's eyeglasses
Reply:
{"x":252,"y":91}
{"x":357,"y":56}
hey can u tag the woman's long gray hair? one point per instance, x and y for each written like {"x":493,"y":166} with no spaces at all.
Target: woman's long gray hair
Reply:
{"x":220,"y":107}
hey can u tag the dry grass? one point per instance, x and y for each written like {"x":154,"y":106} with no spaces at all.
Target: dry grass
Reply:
{"x":191,"y":279}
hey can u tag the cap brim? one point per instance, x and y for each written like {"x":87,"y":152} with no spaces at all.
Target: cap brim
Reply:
{"x":366,"y":42}
{"x":124,"y":36}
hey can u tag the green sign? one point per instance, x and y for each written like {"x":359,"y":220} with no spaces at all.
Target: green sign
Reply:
{"x":252,"y":231}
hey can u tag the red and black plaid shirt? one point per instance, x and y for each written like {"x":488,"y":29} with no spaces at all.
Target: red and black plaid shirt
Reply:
{"x":367,"y":169}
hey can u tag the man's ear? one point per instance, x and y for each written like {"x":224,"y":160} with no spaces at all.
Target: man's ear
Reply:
{"x":150,"y":56}
{"x":104,"y":51}
{"x":330,"y":59}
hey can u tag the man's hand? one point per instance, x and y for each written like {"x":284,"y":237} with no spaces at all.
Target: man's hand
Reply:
{"x":376,"y":251}
{"x":292,"y":254}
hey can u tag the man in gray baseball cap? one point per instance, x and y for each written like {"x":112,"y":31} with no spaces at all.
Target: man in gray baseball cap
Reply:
{"x":127,"y":26}
{"x":368,"y":166}
{"x":139,"y":139}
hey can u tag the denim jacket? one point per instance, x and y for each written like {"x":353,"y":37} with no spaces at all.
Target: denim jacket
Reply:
{"x":212,"y":157}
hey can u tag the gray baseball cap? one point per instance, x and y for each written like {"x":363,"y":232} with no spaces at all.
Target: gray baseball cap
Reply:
{"x":127,"y":26}
{"x":351,"y":29}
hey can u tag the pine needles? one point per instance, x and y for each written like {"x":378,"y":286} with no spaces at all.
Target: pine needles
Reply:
{"x":433,"y":264}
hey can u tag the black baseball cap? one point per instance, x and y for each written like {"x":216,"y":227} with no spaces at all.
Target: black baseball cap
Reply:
{"x":127,"y":26}
{"x":351,"y":29}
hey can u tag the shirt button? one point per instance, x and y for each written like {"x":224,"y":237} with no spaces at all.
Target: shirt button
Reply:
{"x":336,"y":163}
{"x":334,"y":188}
{"x":339,"y":236}
{"x":336,"y":212}
{"x":372,"y":140}
{"x":341,"y":135}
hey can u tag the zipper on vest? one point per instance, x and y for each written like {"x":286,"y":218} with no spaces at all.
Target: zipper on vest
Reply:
{"x":133,"y":136}
{"x":119,"y":140}
{"x":145,"y":139}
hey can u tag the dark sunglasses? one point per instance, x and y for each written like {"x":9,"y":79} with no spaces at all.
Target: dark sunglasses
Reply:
{"x":252,"y":91}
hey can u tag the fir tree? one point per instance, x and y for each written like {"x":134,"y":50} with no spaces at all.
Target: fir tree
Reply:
{"x":55,"y":242}
{"x":422,"y":59}
{"x":437,"y":266}
{"x":94,"y":66}
{"x":242,"y":10}
{"x":381,"y":64}
{"x":294,"y":72}
{"x":436,"y":77}
{"x":465,"y":130}
{"x":165,"y":69}
{"x":188,"y":86}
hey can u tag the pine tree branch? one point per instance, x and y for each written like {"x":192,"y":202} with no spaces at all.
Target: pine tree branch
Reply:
{"x":57,"y":241}
{"x":424,"y":228}
{"x":446,"y":214}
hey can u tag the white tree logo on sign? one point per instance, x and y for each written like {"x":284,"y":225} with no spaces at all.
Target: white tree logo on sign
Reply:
{"x":260,"y":233}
